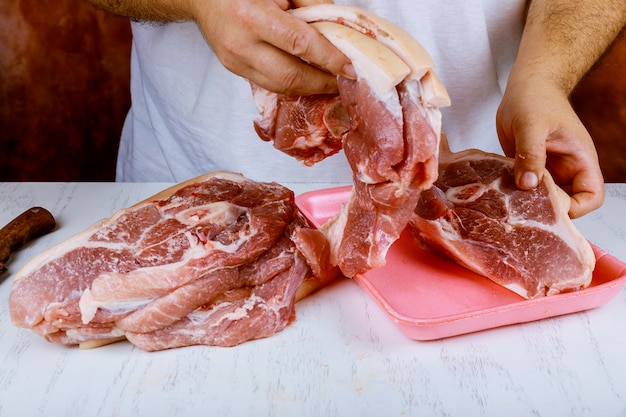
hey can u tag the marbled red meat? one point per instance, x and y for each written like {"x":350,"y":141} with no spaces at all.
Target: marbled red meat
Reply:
{"x":523,"y":240}
{"x":387,"y":121}
{"x":308,"y":128}
{"x":151,"y":271}
{"x":393,"y":157}
{"x":237,"y":315}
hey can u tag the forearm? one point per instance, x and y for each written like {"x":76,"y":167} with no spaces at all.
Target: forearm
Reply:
{"x":173,"y":10}
{"x":562,"y":39}
{"x":148,"y":10}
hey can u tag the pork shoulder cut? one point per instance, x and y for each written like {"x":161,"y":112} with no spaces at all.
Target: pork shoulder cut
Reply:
{"x":522,"y":240}
{"x":209,"y":261}
{"x":387,"y":122}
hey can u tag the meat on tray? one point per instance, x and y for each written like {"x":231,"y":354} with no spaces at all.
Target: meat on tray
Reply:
{"x":209,"y":261}
{"x":522,"y":240}
{"x":387,"y":122}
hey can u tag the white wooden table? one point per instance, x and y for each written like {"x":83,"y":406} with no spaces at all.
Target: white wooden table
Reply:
{"x":342,"y":357}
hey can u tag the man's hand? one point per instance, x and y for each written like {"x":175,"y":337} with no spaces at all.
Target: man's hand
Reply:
{"x":536,"y":123}
{"x":538,"y":127}
{"x":256,"y":39}
{"x":259,"y":40}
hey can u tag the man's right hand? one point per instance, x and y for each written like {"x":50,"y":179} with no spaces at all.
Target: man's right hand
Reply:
{"x":260,"y":41}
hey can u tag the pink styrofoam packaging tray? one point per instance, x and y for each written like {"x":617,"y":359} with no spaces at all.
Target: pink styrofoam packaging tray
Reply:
{"x":429,"y":297}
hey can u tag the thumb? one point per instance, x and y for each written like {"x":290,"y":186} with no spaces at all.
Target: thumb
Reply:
{"x":530,"y":157}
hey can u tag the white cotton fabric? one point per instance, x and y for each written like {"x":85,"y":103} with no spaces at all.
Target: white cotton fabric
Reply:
{"x":190,"y":115}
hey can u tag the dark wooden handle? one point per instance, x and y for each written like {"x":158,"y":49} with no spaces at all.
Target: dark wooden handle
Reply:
{"x":33,"y":223}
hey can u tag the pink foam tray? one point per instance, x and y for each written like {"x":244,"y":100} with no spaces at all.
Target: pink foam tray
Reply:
{"x":429,"y":297}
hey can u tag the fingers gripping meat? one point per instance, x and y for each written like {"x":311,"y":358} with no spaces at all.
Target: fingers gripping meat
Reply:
{"x":311,"y":128}
{"x":209,"y":261}
{"x":389,"y":129}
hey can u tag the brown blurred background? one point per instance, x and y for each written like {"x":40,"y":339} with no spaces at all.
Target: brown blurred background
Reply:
{"x":64,"y":90}
{"x":64,"y":78}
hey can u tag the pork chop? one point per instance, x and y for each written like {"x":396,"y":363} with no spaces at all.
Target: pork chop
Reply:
{"x":523,"y":240}
{"x":209,"y":261}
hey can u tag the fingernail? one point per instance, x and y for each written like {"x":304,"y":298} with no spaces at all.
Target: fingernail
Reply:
{"x":348,"y":71}
{"x":529,"y":180}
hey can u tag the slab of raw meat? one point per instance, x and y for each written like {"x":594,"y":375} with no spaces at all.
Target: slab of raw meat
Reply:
{"x":308,"y":128}
{"x":522,"y":240}
{"x":387,"y":121}
{"x":209,"y":261}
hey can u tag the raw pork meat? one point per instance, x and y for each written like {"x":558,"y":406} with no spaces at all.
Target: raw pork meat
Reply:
{"x":387,"y":121}
{"x":308,"y":128}
{"x":522,"y":240}
{"x":210,"y":261}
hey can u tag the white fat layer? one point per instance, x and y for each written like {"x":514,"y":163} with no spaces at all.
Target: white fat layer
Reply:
{"x":221,"y":213}
{"x":77,"y":336}
{"x":372,"y":60}
{"x":433,"y":91}
{"x":199,"y":316}
{"x":265,"y":101}
{"x":380,"y":244}
{"x":230,"y":176}
{"x":381,"y":29}
{"x":420,"y":94}
{"x":309,"y":141}
{"x":452,"y":193}
{"x":392,"y":36}
{"x":240,"y":312}
{"x":333,"y":231}
{"x":89,"y":306}
{"x":361,"y":169}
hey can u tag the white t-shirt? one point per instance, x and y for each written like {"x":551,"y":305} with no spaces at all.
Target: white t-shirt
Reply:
{"x":190,"y":115}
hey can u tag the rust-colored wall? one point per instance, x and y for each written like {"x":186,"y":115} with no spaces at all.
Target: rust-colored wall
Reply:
{"x":64,"y":77}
